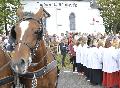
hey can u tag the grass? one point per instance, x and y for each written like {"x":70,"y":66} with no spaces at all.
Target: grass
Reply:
{"x":68,"y":65}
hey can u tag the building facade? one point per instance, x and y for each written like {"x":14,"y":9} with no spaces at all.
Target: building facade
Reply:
{"x":72,"y":16}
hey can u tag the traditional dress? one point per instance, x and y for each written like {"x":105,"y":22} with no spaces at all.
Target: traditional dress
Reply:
{"x":72,"y":55}
{"x":119,"y":73}
{"x":110,"y":67}
{"x":70,"y":39}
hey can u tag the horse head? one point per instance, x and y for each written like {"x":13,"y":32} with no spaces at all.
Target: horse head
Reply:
{"x":27,"y":33}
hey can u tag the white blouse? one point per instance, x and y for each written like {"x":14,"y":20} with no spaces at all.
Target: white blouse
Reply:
{"x":110,"y":60}
{"x":78,"y":54}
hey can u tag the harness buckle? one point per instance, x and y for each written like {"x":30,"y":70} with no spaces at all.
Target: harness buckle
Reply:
{"x":34,"y":81}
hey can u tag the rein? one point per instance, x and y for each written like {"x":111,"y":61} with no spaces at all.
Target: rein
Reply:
{"x":5,"y":65}
{"x":8,"y":79}
{"x":7,"y":62}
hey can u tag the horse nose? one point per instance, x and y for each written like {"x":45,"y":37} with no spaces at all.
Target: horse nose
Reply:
{"x":19,"y":66}
{"x":22,"y":62}
{"x":15,"y":67}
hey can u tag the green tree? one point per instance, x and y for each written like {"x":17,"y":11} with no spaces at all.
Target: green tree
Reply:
{"x":110,"y":11}
{"x":8,"y":14}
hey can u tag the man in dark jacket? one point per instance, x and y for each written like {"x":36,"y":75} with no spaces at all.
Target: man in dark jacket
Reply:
{"x":64,"y":49}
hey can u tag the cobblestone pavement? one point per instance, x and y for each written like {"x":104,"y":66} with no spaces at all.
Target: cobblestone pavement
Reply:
{"x":68,"y":79}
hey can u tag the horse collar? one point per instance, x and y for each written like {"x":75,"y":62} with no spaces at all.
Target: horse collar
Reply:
{"x":6,"y":80}
{"x":41,"y":72}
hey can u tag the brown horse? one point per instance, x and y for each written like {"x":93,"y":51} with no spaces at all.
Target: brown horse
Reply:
{"x":30,"y":58}
{"x":6,"y":75}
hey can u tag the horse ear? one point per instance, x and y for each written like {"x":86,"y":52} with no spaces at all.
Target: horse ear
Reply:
{"x":39,"y":14}
{"x":42,"y":13}
{"x":20,"y":12}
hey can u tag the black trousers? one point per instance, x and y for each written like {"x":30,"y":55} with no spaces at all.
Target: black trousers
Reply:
{"x":96,"y":76}
{"x":78,"y":67}
{"x":74,"y":63}
{"x":63,"y":59}
{"x":85,"y":70}
{"x":88,"y":70}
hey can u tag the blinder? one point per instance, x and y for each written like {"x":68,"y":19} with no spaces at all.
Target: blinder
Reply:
{"x":12,"y":37}
{"x":11,"y":40}
{"x":39,"y":34}
{"x":13,"y":33}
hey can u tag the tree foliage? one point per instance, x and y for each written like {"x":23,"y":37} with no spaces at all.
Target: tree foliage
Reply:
{"x":110,"y":11}
{"x":8,"y":13}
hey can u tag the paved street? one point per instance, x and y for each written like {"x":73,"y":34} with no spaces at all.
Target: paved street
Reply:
{"x":68,"y":79}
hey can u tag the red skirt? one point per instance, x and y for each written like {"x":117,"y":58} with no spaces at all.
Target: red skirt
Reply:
{"x":110,"y":79}
{"x":119,"y":79}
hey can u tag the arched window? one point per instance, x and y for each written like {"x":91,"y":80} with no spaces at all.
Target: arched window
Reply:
{"x":72,"y":21}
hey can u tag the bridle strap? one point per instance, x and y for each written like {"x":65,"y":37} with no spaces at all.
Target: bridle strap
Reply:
{"x":37,"y":44}
{"x":9,"y":56}
{"x":6,"y":80}
{"x":41,"y":72}
{"x":5,"y":66}
{"x":29,"y":18}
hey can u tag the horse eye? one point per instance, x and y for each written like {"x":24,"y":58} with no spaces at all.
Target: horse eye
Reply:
{"x":36,"y":32}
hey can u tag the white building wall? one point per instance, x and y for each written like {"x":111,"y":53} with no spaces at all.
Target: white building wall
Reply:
{"x":59,"y":21}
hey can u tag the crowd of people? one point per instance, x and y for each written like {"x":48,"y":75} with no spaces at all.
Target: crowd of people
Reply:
{"x":97,"y":57}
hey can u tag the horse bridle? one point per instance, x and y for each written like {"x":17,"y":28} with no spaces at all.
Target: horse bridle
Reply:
{"x":36,"y":46}
{"x":47,"y":67}
{"x":39,"y":36}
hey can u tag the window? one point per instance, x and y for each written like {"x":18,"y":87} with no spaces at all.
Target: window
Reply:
{"x":72,"y":21}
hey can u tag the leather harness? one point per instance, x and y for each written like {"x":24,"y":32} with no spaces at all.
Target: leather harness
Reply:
{"x":6,"y":80}
{"x":41,"y":72}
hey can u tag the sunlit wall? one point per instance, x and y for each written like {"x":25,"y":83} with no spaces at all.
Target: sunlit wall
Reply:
{"x":87,"y":20}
